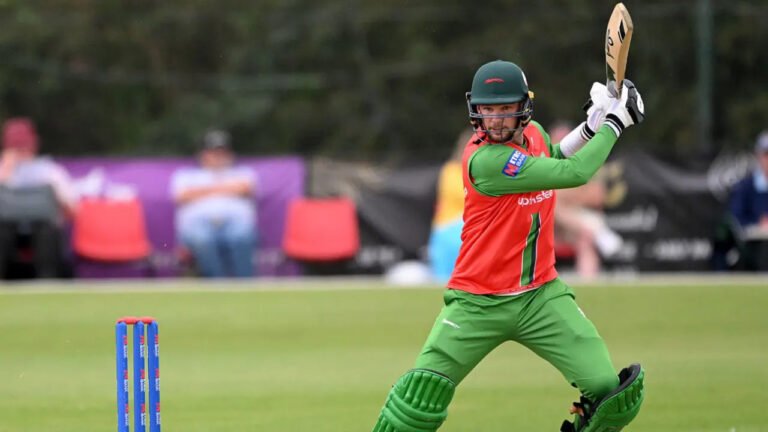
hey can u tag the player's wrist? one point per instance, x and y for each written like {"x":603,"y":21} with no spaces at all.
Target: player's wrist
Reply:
{"x":576,"y":139}
{"x":607,"y":129}
{"x":626,"y":110}
{"x":615,"y":124}
{"x":596,"y":107}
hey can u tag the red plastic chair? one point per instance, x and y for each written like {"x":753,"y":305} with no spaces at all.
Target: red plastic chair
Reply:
{"x":321,"y":229}
{"x":111,"y":231}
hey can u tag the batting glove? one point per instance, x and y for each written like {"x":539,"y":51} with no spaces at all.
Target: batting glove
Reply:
{"x":627,"y":110}
{"x":596,"y":107}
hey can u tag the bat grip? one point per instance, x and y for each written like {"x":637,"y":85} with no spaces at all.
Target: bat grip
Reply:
{"x":614,"y":88}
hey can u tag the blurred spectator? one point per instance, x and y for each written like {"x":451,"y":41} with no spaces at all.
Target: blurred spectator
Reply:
{"x":445,"y":238}
{"x":749,"y":199}
{"x":216,"y":214}
{"x":38,"y":197}
{"x":579,"y":220}
{"x":742,"y":241}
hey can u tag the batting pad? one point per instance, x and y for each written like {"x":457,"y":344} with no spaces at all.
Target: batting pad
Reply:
{"x":617,"y":408}
{"x":418,"y":402}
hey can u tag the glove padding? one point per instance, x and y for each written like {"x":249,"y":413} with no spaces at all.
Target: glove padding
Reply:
{"x":627,"y":110}
{"x":596,"y":107}
{"x":599,"y":99}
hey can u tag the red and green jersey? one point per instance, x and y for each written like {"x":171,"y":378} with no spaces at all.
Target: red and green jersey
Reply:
{"x":508,"y":235}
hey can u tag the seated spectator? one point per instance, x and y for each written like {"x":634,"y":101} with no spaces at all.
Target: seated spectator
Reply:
{"x":579,"y":220}
{"x":216,"y":214}
{"x":742,"y":241}
{"x":27,"y":180}
{"x":749,"y":198}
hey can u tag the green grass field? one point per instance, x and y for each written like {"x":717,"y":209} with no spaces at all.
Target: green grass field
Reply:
{"x":323,"y":360}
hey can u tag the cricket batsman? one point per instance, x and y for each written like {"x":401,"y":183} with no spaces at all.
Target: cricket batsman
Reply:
{"x":504,"y":285}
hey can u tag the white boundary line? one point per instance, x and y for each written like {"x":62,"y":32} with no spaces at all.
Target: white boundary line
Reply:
{"x":318,"y":284}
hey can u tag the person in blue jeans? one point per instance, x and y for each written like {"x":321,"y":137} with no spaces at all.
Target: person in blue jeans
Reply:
{"x":216,"y":211}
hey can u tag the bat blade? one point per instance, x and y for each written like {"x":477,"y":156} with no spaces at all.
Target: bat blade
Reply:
{"x":618,"y":37}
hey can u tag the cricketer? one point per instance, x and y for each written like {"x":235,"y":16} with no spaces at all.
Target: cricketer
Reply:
{"x":505,"y":286}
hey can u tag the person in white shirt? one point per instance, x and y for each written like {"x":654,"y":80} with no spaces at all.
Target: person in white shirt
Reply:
{"x":23,"y":172}
{"x":216,"y":211}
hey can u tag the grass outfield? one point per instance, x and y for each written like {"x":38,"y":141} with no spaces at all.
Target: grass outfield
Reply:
{"x":322,"y":360}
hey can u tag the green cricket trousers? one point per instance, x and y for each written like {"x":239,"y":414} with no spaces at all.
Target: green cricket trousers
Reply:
{"x":546,"y":320}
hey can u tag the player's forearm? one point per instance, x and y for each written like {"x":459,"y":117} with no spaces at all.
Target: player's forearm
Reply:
{"x":593,"y":155}
{"x":547,"y":173}
{"x":576,"y":139}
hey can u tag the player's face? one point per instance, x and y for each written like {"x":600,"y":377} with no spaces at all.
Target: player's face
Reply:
{"x":500,"y":129}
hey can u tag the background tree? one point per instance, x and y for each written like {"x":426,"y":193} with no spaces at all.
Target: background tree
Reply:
{"x":358,"y":79}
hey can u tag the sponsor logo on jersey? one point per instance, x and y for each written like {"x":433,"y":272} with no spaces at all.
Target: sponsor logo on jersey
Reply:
{"x":512,"y":167}
{"x":536,"y":199}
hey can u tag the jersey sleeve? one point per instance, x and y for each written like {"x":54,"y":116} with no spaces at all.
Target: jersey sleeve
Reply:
{"x":497,"y":170}
{"x":554,"y":149}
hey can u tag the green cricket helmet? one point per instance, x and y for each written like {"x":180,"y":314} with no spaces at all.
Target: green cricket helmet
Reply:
{"x":495,"y":83}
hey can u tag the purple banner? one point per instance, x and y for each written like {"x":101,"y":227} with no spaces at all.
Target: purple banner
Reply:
{"x":280,"y":179}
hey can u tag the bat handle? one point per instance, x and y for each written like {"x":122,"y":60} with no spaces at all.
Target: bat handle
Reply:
{"x":614,"y":88}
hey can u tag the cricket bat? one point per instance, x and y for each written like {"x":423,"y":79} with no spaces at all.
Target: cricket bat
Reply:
{"x":618,"y":36}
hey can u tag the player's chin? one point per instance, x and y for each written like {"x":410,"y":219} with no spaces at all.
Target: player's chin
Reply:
{"x":500,"y":135}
